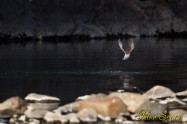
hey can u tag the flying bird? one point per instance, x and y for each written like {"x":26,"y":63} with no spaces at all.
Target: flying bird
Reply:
{"x":128,"y":50}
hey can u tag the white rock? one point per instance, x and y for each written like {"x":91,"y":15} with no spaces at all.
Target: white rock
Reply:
{"x":171,"y":100}
{"x":183,"y":93}
{"x":86,"y":97}
{"x":128,"y":122}
{"x":104,"y":118}
{"x":39,"y":97}
{"x":184,"y":100}
{"x":35,"y":113}
{"x":184,"y":119}
{"x":71,"y":107}
{"x":52,"y":117}
{"x":22,"y":118}
{"x":72,"y":118}
{"x":120,"y":119}
{"x":159,"y":92}
{"x":132,"y":100}
{"x":87,"y":115}
{"x":34,"y":121}
{"x":44,"y":106}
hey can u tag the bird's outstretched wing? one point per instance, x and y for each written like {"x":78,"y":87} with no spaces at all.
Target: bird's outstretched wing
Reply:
{"x":121,"y":45}
{"x":130,"y":47}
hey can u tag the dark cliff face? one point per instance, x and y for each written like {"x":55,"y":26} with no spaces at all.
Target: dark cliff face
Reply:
{"x":92,"y":17}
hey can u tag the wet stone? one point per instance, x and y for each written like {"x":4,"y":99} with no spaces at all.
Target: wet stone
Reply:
{"x":109,"y":106}
{"x":87,"y":115}
{"x":159,"y":92}
{"x":11,"y":106}
{"x":132,"y":100}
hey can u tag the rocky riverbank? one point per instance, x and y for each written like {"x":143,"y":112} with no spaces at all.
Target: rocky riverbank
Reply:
{"x":157,"y":104}
{"x":94,"y":18}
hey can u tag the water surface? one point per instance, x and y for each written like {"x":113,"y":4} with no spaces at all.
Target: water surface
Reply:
{"x":70,"y":69}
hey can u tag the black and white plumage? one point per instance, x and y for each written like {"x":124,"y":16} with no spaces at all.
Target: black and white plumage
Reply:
{"x":128,"y":49}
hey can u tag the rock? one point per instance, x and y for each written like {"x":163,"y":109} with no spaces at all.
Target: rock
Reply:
{"x":179,"y":114}
{"x":44,"y":106}
{"x":12,"y":121}
{"x":155,"y":108}
{"x":104,"y":118}
{"x":159,"y":92}
{"x":72,"y":118}
{"x":71,"y":107}
{"x":109,"y":106}
{"x":33,"y":121}
{"x":35,"y":113}
{"x":53,"y":117}
{"x":22,"y":118}
{"x":132,"y":100}
{"x":87,"y":97}
{"x":120,"y":119}
{"x":33,"y":97}
{"x":11,"y":106}
{"x":39,"y":105}
{"x":184,"y":100}
{"x":87,"y":115}
{"x":184,"y":119}
{"x":183,"y":93}
{"x":129,"y":122}
{"x":172,"y":100}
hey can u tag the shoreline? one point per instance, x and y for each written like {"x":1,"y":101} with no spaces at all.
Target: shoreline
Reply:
{"x":6,"y":37}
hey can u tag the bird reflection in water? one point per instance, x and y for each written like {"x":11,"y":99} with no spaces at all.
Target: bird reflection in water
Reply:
{"x":127,"y":85}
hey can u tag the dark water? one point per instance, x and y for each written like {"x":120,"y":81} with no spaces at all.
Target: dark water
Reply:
{"x":70,"y":69}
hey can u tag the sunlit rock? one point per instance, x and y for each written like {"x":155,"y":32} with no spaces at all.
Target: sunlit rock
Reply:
{"x":184,"y":119}
{"x":11,"y":106}
{"x":87,"y":97}
{"x":33,"y":97}
{"x":87,"y":115}
{"x":34,"y":121}
{"x":71,"y":107}
{"x":120,"y":119}
{"x":104,"y":118}
{"x":172,"y":100}
{"x":44,"y":106}
{"x":109,"y":106}
{"x":53,"y":117}
{"x":132,"y":100}
{"x":38,"y":102}
{"x":22,"y":118}
{"x":183,"y":93}
{"x":184,"y":100}
{"x":159,"y":92}
{"x":13,"y":119}
{"x":72,"y":118}
{"x":35,"y":113}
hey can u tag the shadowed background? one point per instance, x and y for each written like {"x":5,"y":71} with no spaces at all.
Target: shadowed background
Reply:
{"x":92,"y":17}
